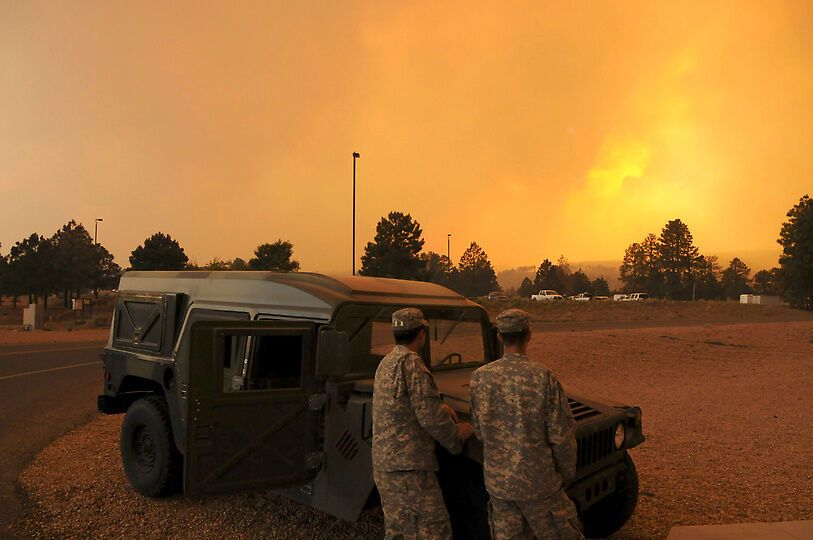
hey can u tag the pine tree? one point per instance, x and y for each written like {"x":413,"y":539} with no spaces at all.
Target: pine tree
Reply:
{"x":477,"y":276}
{"x":394,"y":253}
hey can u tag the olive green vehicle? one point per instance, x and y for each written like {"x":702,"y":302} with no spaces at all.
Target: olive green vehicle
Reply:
{"x":250,"y":380}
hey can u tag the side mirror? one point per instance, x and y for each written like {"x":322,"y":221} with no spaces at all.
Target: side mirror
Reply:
{"x":332,"y":353}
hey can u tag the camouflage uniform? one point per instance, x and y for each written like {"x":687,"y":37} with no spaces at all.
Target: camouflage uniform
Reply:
{"x":408,"y":418}
{"x":521,"y":415}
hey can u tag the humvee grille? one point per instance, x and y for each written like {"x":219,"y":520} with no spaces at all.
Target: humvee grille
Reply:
{"x":594,"y":447}
{"x":347,"y":446}
{"x":580,"y":410}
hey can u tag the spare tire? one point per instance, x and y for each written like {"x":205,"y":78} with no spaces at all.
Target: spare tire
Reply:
{"x":151,"y":461}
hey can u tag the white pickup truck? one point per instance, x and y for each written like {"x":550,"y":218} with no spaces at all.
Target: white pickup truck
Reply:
{"x":546,"y":294}
{"x":635,"y":297}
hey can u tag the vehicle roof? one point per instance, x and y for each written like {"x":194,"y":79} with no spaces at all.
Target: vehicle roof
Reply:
{"x":294,"y":293}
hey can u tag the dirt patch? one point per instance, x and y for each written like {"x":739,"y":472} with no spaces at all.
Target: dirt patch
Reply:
{"x":728,"y":430}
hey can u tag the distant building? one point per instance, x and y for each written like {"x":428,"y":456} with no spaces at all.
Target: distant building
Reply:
{"x":761,"y":299}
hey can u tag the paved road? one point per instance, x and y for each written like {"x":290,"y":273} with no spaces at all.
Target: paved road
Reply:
{"x":45,"y":391}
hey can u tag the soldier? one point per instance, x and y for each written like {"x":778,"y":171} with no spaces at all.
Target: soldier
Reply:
{"x":522,"y":417}
{"x":408,"y":417}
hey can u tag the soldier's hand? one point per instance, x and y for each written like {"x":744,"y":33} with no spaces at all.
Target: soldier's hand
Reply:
{"x":451,"y":412}
{"x":466,"y":430}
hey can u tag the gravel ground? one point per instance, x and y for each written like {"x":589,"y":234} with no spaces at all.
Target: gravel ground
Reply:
{"x":725,"y":412}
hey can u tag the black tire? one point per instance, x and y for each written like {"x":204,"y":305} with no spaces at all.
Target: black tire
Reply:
{"x":465,"y":495}
{"x":612,"y":512}
{"x":151,"y":461}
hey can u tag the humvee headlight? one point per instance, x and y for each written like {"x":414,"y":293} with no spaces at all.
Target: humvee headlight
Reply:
{"x":619,"y":435}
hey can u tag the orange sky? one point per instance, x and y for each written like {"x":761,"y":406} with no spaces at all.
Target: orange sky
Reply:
{"x":534,"y":128}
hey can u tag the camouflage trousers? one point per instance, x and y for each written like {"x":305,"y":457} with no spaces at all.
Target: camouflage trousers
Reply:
{"x":413,"y":505}
{"x":549,"y":518}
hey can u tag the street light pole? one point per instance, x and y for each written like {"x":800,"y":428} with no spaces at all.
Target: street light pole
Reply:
{"x":356,"y":155}
{"x":96,"y":231}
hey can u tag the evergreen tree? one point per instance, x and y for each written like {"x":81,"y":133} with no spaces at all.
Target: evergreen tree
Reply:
{"x":551,"y":276}
{"x":439,"y":269}
{"x":600,"y":287}
{"x":394,"y":253}
{"x":526,"y":289}
{"x":796,"y":239}
{"x":579,"y":283}
{"x":477,"y":276}
{"x":735,"y":279}
{"x":677,"y":256}
{"x":767,"y":282}
{"x":75,"y":259}
{"x":159,"y":252}
{"x":274,"y":257}
{"x":238,"y":264}
{"x":706,"y":284}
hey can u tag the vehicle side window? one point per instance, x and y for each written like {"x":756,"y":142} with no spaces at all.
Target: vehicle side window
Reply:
{"x":182,"y":357}
{"x":275,"y":363}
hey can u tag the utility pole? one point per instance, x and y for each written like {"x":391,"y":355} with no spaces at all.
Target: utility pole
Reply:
{"x":356,"y":155}
{"x":96,"y":231}
{"x":449,"y":247}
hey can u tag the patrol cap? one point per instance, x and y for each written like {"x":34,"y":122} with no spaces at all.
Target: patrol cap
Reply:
{"x":512,"y":321}
{"x":408,"y":319}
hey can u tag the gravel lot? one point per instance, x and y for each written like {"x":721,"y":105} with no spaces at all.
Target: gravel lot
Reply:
{"x":725,"y":412}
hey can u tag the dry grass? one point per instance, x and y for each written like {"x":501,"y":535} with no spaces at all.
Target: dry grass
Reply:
{"x":649,"y":310}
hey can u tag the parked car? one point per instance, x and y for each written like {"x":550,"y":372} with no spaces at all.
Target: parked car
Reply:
{"x":619,"y":297}
{"x":636,"y":297}
{"x":601,"y":297}
{"x":582,"y":297}
{"x":496,"y":295}
{"x":546,"y":295}
{"x":257,"y":380}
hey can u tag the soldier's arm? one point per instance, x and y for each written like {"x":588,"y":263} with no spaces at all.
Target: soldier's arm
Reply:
{"x":474,"y":387}
{"x":427,"y":404}
{"x":561,"y":430}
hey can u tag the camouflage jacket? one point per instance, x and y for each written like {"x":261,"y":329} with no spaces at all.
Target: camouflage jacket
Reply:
{"x":408,"y":416}
{"x":523,"y":419}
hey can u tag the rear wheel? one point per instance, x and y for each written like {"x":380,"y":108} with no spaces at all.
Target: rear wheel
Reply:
{"x":612,"y":512}
{"x":151,"y":461}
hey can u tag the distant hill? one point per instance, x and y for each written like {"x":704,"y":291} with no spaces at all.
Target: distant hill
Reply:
{"x":512,"y":277}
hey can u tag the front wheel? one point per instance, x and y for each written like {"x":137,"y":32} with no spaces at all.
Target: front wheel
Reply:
{"x":611,"y":513}
{"x":151,"y":461}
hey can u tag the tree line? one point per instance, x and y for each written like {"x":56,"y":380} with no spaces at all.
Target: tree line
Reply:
{"x":671,"y":266}
{"x":560,"y":278}
{"x":70,"y":262}
{"x":161,"y":252}
{"x":397,"y":252}
{"x":67,"y":262}
{"x":665,"y":266}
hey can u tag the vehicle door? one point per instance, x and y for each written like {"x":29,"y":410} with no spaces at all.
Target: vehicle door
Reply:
{"x":252,"y":422}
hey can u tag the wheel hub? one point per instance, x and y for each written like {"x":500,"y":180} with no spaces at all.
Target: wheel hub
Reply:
{"x":144,"y":446}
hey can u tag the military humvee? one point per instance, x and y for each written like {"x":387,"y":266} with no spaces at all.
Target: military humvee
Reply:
{"x":242,"y":380}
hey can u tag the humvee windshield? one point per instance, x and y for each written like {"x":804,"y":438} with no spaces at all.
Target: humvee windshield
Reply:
{"x":456,"y":337}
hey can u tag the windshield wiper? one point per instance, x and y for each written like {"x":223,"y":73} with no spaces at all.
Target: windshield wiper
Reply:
{"x":364,"y":324}
{"x":454,"y":325}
